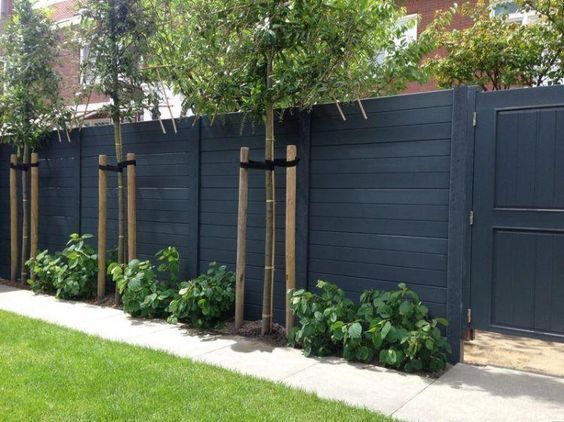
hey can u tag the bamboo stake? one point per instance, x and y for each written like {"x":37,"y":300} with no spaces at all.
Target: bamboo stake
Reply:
{"x":102,"y":185}
{"x":340,"y":111}
{"x":362,"y":109}
{"x":162,"y":125}
{"x":166,"y":101}
{"x":34,"y":223}
{"x":131,"y":210}
{"x":81,"y":124}
{"x":25,"y":216}
{"x":241,"y":239}
{"x":14,"y":218}
{"x":290,"y":232}
{"x":269,"y":250}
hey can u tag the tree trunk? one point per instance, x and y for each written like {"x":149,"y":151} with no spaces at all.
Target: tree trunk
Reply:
{"x":269,"y":187}
{"x":25,"y":216}
{"x":121,"y":207}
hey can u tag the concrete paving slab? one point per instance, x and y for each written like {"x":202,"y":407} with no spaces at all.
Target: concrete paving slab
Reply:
{"x":176,"y":340}
{"x":259,"y":359}
{"x":471,"y":393}
{"x":359,"y":385}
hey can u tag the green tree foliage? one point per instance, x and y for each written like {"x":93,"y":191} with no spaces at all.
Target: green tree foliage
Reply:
{"x":116,"y":33}
{"x":257,"y":56}
{"x":552,"y":11}
{"x":30,"y":104}
{"x":495,"y":53}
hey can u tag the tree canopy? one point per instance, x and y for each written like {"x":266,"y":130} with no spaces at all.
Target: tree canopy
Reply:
{"x":494,"y":52}
{"x":215,"y":52}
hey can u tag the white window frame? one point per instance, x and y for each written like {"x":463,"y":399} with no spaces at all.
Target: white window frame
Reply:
{"x":523,"y":17}
{"x":410,"y":34}
{"x":4,"y":12}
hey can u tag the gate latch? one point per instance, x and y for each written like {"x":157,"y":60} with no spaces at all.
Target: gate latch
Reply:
{"x":471,"y":217}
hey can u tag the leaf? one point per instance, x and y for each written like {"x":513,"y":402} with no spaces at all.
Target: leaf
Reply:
{"x":405,"y":308}
{"x":442,"y":321}
{"x":355,"y":330}
{"x":386,"y":329}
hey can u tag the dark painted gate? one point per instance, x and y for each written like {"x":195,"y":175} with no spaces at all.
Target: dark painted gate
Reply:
{"x":517,"y":279}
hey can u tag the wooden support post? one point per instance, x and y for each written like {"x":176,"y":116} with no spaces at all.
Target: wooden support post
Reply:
{"x":13,"y":218}
{"x":102,"y":185}
{"x":131,"y":210}
{"x":291,"y":172}
{"x":241,"y":239}
{"x":34,"y":222}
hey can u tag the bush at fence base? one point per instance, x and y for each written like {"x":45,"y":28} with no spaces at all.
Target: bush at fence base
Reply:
{"x":70,"y":274}
{"x":142,"y":293}
{"x":391,"y":327}
{"x":207,"y":300}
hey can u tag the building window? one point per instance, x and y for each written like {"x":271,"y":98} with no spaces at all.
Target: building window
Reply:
{"x":85,"y":77}
{"x":409,"y":22}
{"x":511,"y":10}
{"x":4,"y":12}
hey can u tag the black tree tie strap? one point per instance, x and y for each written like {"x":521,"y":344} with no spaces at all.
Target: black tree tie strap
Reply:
{"x":23,"y":167}
{"x":269,"y":164}
{"x":120,"y":166}
{"x":283,"y":163}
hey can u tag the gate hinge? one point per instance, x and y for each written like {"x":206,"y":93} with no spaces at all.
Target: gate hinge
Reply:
{"x":474,"y":119}
{"x":471,"y":217}
{"x":468,"y":334}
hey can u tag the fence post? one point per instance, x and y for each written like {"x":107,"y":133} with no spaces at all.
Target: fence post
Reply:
{"x":34,"y":223}
{"x":241,"y":239}
{"x":290,"y":266}
{"x":102,"y":185}
{"x":131,"y":209}
{"x":13,"y":217}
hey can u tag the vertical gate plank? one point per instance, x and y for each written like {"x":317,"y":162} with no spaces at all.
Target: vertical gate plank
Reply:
{"x":459,"y":208}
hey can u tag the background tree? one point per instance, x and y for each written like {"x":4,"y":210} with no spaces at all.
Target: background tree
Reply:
{"x":259,"y":56}
{"x":31,"y":106}
{"x":493,"y":52}
{"x":116,"y":33}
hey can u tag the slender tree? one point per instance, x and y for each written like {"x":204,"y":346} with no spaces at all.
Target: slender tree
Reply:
{"x":115,"y":33}
{"x":31,"y":105}
{"x":259,"y":56}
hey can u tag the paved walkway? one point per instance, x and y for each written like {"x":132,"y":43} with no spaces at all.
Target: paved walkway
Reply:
{"x":465,"y":393}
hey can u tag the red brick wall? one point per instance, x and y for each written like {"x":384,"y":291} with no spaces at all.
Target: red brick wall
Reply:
{"x":426,"y":10}
{"x":69,"y":61}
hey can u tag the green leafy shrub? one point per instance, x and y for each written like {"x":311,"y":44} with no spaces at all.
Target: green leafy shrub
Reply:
{"x":317,"y":314}
{"x":392,"y":327}
{"x":71,"y":274}
{"x":143,"y":295}
{"x":169,"y":263}
{"x":44,"y":270}
{"x":207,"y":300}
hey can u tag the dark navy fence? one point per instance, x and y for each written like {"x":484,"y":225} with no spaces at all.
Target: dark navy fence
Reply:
{"x":380,"y":200}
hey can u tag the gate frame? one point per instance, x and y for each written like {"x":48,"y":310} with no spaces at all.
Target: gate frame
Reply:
{"x":459,"y":225}
{"x":536,"y":98}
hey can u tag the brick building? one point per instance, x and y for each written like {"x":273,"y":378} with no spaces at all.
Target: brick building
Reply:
{"x":63,"y":13}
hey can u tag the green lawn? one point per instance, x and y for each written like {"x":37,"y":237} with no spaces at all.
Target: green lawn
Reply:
{"x":51,"y":373}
